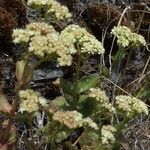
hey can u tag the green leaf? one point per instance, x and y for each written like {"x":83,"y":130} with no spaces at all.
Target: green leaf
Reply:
{"x":86,"y":83}
{"x":68,"y":90}
{"x":87,"y":105}
{"x":59,"y":101}
{"x":28,"y":74}
{"x":119,"y":55}
{"x":94,"y":135}
{"x":67,"y":87}
{"x":72,"y":91}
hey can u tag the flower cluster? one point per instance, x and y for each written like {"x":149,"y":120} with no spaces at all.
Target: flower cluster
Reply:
{"x":59,"y":11}
{"x":99,"y":95}
{"x":53,"y":8}
{"x":73,"y":119}
{"x":65,"y":59}
{"x":20,"y":35}
{"x":30,"y":100}
{"x":40,"y":27}
{"x":130,"y":105}
{"x":75,"y":37}
{"x":107,"y":133}
{"x":102,"y":99}
{"x":36,"y":2}
{"x":89,"y":122}
{"x":43,"y":40}
{"x":127,"y":38}
{"x":45,"y":45}
{"x":33,"y":29}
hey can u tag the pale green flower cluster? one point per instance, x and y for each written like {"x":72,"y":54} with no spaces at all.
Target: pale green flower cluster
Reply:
{"x":89,"y":122}
{"x":65,"y":59}
{"x":53,"y":8}
{"x":30,"y":101}
{"x":33,"y":29}
{"x":130,"y":105}
{"x":102,"y":99}
{"x":73,"y":119}
{"x":109,"y":107}
{"x":99,"y":95}
{"x":127,"y":38}
{"x":126,"y":104}
{"x":20,"y":35}
{"x":36,"y":2}
{"x":41,"y":27}
{"x":45,"y":45}
{"x":75,"y":37}
{"x":107,"y":135}
{"x":59,"y":11}
{"x":43,"y":40}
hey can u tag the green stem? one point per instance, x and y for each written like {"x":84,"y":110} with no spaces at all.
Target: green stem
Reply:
{"x":76,"y":87}
{"x":118,"y":134}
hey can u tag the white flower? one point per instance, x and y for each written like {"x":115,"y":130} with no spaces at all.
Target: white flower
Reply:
{"x":130,"y":105}
{"x":139,"y":107}
{"x":57,"y":10}
{"x":30,"y":100}
{"x":126,"y":38}
{"x":90,"y":123}
{"x":53,"y":8}
{"x":36,"y":2}
{"x":65,"y":60}
{"x":20,"y":35}
{"x":73,"y":119}
{"x":109,"y":107}
{"x":107,"y":133}
{"x":123,"y":103}
{"x":99,"y":95}
{"x":77,"y":38}
{"x":41,"y":27}
{"x":42,"y":101}
{"x":38,"y":45}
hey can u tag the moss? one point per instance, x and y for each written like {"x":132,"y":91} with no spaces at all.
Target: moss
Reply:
{"x":13,"y":14}
{"x":106,"y":15}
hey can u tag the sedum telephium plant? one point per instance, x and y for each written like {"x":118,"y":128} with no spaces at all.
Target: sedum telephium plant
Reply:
{"x":126,"y":39}
{"x":83,"y":105}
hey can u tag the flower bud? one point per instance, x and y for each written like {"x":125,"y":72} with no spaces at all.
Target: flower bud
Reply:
{"x":20,"y":68}
{"x":23,"y":72}
{"x":5,"y":107}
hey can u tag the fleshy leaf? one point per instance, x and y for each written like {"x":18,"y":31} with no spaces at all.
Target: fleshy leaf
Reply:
{"x":67,"y":87}
{"x":59,"y":101}
{"x":68,"y":90}
{"x":87,"y":105}
{"x":86,"y":83}
{"x":4,"y":104}
{"x":23,"y":72}
{"x":20,"y":67}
